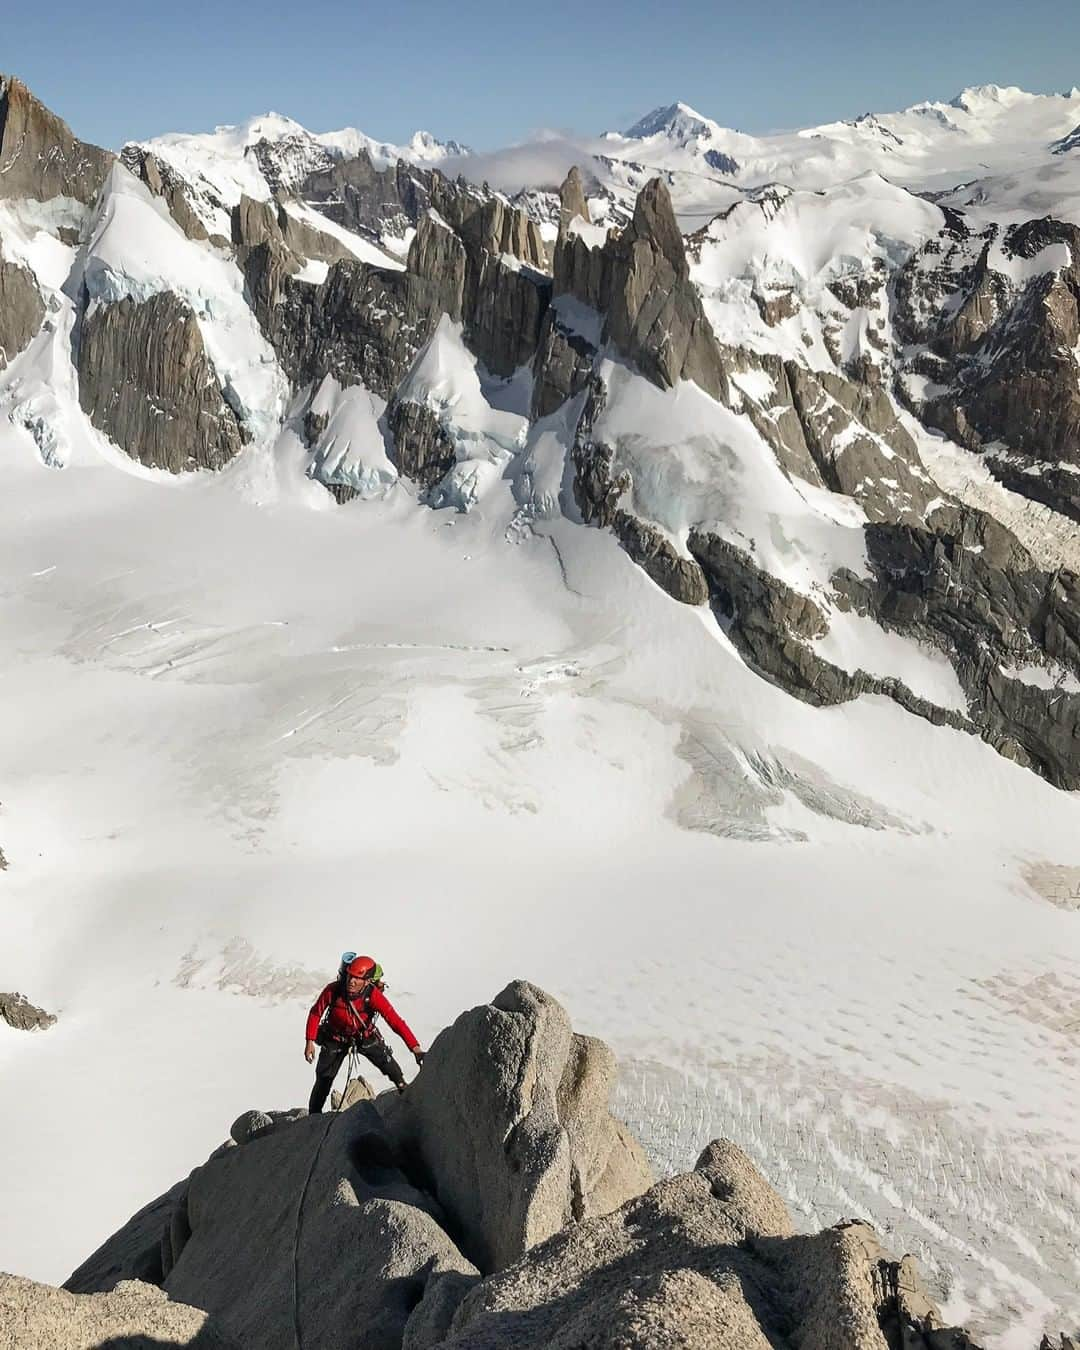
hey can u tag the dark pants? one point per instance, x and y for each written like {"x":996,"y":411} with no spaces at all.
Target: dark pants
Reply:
{"x":333,"y":1054}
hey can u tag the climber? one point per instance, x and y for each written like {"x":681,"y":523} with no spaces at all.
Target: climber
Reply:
{"x":343,"y":1017}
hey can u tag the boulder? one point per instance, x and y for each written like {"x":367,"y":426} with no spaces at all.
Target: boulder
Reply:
{"x":39,"y":157}
{"x":133,"y":1315}
{"x":357,"y":1090}
{"x":249,"y":1126}
{"x":510,"y":1120}
{"x":146,"y":381}
{"x":18,"y":1012}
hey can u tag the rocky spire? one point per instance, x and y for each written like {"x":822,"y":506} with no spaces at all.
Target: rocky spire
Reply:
{"x":655,"y":317}
{"x":572,"y":201}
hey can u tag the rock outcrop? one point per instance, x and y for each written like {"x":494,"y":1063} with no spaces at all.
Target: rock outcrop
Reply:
{"x":39,"y":157}
{"x":146,"y":381}
{"x":261,"y":222}
{"x":531,"y":1097}
{"x":21,"y":309}
{"x":705,"y":1261}
{"x":163,"y":181}
{"x":423,"y":450}
{"x":366,"y":324}
{"x":498,"y":1204}
{"x":18,"y":1012}
{"x":33,"y":1316}
{"x":970,"y":589}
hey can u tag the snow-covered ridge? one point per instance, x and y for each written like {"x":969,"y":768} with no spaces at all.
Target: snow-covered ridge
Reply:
{"x":983,"y":129}
{"x":232,"y":158}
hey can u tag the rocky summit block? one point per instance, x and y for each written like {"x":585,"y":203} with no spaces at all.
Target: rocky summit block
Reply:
{"x":510,"y":1118}
{"x":313,"y":1223}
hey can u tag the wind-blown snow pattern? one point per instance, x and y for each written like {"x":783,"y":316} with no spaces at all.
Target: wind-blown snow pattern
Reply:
{"x":247,"y":728}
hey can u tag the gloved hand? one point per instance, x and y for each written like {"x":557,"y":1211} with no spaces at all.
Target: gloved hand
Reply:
{"x":309,"y":1051}
{"x":418,"y":1055}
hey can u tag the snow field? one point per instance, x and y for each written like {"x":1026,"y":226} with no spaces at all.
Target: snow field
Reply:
{"x":386,"y":727}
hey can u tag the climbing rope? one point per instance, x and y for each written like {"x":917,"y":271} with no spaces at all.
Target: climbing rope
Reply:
{"x":354,"y":1059}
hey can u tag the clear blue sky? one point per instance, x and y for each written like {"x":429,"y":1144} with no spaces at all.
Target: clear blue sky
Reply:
{"x":489,"y":74}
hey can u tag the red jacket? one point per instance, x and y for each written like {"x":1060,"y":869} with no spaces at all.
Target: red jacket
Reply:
{"x":347,"y":1020}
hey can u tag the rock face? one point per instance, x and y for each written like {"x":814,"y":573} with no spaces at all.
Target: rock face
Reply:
{"x":1001,"y":354}
{"x":18,"y":1012}
{"x":639,"y":282}
{"x":655,"y":316}
{"x":256,"y":222}
{"x":705,"y":1261}
{"x":39,"y":157}
{"x":21,"y":309}
{"x":33,"y":1316}
{"x":146,"y":381}
{"x":342,"y":1238}
{"x":353,"y":193}
{"x":971,"y":590}
{"x":422,"y":448}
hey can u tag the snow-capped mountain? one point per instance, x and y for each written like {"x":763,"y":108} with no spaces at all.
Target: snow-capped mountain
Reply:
{"x":982,"y":130}
{"x":666,"y":586}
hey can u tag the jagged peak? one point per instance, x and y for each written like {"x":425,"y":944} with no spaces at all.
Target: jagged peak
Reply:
{"x":654,"y":218}
{"x":677,"y":120}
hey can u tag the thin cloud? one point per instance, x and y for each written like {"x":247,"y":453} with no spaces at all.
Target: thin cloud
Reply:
{"x":543,"y":161}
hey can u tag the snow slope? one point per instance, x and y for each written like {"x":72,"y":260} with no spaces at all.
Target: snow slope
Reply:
{"x":241,"y":736}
